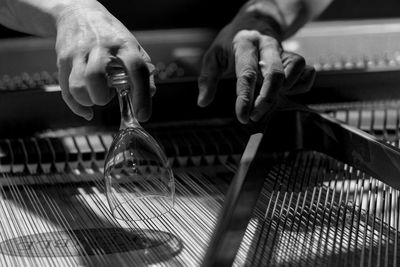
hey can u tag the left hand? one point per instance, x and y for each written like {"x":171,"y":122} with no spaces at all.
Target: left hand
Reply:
{"x":249,"y":47}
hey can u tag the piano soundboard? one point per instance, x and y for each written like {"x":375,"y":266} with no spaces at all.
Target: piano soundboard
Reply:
{"x":312,"y":210}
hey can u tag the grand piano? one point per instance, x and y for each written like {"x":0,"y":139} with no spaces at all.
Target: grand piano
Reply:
{"x":317,"y":184}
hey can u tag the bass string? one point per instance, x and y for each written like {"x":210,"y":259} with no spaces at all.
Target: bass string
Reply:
{"x":63,"y":215}
{"x":28,"y":221}
{"x":103,"y":211}
{"x":45,"y":195}
{"x":17,"y":198}
{"x":7,"y":227}
{"x":43,"y":208}
{"x":134,"y":225}
{"x":100,"y":200}
{"x":87,"y":200}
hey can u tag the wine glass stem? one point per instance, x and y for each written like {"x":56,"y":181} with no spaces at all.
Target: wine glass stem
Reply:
{"x":128,"y":119}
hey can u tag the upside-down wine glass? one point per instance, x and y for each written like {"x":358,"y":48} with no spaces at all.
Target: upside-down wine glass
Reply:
{"x":139,"y":181}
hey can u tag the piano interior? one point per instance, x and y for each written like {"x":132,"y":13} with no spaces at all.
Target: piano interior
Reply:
{"x":312,"y":209}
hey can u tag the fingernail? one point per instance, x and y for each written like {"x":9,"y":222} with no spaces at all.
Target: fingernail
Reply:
{"x":244,"y":114}
{"x":200,"y":101}
{"x":244,"y":120}
{"x":202,"y":93}
{"x":88,"y":117}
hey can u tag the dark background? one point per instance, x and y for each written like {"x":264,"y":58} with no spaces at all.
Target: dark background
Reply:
{"x":163,"y":14}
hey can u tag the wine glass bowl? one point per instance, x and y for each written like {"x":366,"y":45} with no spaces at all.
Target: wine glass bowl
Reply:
{"x":139,"y":181}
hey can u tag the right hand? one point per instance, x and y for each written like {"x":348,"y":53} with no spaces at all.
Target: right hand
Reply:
{"x":249,"y":47}
{"x":87,"y":38}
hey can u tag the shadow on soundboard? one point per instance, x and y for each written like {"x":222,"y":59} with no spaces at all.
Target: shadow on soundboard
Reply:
{"x":73,"y":222}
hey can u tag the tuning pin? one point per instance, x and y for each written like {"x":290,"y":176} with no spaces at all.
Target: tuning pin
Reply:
{"x":348,"y":65}
{"x":370,"y":63}
{"x":327,"y":67}
{"x":360,"y":64}
{"x":338,"y":65}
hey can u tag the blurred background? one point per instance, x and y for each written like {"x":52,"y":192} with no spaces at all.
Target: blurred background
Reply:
{"x":156,"y":14}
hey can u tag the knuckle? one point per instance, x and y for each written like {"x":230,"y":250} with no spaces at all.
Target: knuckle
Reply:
{"x":151,"y":67}
{"x":203,"y":78}
{"x":249,"y":75}
{"x":244,"y":97}
{"x":218,"y":56}
{"x":246,"y":35}
{"x":270,"y":42}
{"x":245,"y":83}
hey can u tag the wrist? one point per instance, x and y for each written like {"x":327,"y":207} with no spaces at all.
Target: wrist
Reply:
{"x":39,"y":17}
{"x":263,"y":17}
{"x":62,"y":11}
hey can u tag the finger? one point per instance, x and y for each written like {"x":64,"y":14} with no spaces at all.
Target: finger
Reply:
{"x":273,"y":73}
{"x":77,"y":86}
{"x":304,"y":83}
{"x":246,"y":65}
{"x":210,"y":75}
{"x":151,"y":68}
{"x":64,"y":70}
{"x":78,"y":109}
{"x":95,"y":76}
{"x":138,"y":72}
{"x":293,"y":65}
{"x":153,"y":87}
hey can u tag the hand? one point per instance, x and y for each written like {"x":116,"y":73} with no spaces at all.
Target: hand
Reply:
{"x":249,"y":47}
{"x":87,"y":39}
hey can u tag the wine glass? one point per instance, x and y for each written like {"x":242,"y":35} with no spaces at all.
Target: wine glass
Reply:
{"x":139,"y":181}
